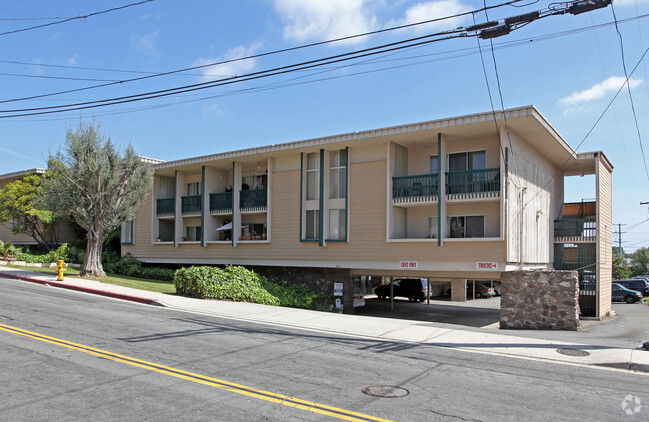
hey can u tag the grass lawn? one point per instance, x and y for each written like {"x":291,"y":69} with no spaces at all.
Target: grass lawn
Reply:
{"x":117,"y":279}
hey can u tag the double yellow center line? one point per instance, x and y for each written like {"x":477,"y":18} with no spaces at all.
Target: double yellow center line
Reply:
{"x":201,"y":379}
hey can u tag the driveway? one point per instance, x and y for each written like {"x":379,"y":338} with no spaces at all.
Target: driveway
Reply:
{"x":628,"y":328}
{"x":473,"y":313}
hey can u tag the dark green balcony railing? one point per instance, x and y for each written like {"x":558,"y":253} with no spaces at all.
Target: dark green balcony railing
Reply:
{"x":191,"y":205}
{"x":166,"y":207}
{"x":253,"y":200}
{"x":575,"y":229}
{"x":417,"y":188}
{"x":221,"y":202}
{"x":471,"y":184}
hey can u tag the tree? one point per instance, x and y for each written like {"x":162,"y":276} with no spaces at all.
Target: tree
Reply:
{"x":640,"y":261}
{"x":620,"y":270}
{"x":7,"y":249}
{"x":99,"y":187}
{"x":19,"y":202}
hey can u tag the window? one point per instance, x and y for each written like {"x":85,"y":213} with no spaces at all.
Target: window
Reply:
{"x":312,"y":224}
{"x":337,"y":224}
{"x":193,"y":234}
{"x":434,"y":164}
{"x":433,"y":227}
{"x":194,"y":189}
{"x":255,"y":182}
{"x":18,"y":225}
{"x":254,"y":229}
{"x":466,"y":226}
{"x":126,"y":236}
{"x":338,"y":174}
{"x":166,"y":230}
{"x":167,"y":187}
{"x":462,"y":161}
{"x":312,"y":176}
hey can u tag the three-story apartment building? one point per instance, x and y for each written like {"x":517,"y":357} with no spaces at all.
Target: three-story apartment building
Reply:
{"x":463,"y":198}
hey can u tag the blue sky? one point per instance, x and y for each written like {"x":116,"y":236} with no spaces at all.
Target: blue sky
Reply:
{"x":568,"y":66}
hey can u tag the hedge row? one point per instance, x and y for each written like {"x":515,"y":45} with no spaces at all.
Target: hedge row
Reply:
{"x":52,"y":256}
{"x":243,"y":285}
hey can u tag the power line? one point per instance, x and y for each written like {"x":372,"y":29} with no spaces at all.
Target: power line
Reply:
{"x":628,"y":87}
{"x":626,"y":81}
{"x":256,"y":56}
{"x":75,"y":18}
{"x":235,"y":79}
{"x":515,"y":22}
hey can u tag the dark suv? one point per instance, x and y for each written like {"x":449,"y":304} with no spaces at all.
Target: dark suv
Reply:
{"x":412,"y":288}
{"x":637,"y":284}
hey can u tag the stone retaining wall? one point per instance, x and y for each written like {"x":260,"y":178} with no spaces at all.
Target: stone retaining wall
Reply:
{"x":540,"y":300}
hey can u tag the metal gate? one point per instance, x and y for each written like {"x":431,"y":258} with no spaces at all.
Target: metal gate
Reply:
{"x":587,"y":295}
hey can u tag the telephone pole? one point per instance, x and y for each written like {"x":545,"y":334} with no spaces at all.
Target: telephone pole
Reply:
{"x":619,"y":239}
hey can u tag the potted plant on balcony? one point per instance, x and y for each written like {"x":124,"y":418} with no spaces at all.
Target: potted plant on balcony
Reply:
{"x":263,"y":236}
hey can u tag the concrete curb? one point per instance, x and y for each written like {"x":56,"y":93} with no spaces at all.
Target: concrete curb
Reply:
{"x":85,"y":289}
{"x":635,"y":360}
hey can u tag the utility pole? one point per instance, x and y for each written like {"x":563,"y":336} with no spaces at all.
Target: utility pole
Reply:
{"x":619,"y":239}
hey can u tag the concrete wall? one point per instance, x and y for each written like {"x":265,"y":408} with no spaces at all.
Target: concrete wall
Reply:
{"x":540,"y":300}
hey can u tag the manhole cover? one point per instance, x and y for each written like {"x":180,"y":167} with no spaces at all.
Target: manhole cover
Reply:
{"x":573,"y":352}
{"x":386,"y":391}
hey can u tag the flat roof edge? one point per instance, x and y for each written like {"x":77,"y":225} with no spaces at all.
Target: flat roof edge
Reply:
{"x":523,"y":111}
{"x":21,"y":173}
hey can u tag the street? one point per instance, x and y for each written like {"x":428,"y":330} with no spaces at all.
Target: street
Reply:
{"x":105,"y":359}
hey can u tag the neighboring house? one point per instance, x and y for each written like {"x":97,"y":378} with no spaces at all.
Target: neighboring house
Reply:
{"x":451,"y":200}
{"x":62,"y":233}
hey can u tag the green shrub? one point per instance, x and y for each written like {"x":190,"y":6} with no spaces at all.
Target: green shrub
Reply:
{"x":126,"y":265}
{"x":242,"y":285}
{"x":52,"y":256}
{"x":157,"y":273}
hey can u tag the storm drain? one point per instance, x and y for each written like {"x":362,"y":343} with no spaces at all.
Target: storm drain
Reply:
{"x":386,"y":391}
{"x":573,"y":352}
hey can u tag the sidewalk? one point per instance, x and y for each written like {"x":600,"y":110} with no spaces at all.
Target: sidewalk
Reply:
{"x":385,"y":329}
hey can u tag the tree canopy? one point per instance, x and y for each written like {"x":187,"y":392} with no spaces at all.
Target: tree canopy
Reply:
{"x":19,"y":203}
{"x":97,"y":185}
{"x":640,"y":261}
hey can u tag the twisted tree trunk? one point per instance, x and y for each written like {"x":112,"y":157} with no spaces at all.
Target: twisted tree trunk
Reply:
{"x":92,"y":263}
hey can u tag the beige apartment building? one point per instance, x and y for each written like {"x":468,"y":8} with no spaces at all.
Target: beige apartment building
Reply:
{"x":62,"y":233}
{"x":450,"y":200}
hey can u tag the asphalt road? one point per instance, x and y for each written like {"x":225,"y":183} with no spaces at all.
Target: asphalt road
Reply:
{"x":106,"y":359}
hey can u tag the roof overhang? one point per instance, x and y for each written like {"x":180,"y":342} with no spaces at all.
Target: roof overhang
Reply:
{"x":526,"y":123}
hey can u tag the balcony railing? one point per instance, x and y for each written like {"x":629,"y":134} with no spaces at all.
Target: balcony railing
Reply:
{"x":472,"y":184}
{"x":221,"y":203}
{"x":166,"y":207}
{"x":418,"y":188}
{"x":191,"y":205}
{"x":573,"y":230}
{"x":253,"y":200}
{"x":469,"y":184}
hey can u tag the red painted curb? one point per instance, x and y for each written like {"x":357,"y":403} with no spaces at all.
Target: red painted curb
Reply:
{"x":83,"y":289}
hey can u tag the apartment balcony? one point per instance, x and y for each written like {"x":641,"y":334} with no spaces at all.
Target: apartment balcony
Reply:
{"x":253,"y":200}
{"x":191,"y":206}
{"x":575,"y":230}
{"x":473,"y":184}
{"x":221,"y":203}
{"x":415,"y":189}
{"x":460,"y":185}
{"x":165,"y":207}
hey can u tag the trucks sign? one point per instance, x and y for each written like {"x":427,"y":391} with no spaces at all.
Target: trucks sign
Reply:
{"x":486,"y":265}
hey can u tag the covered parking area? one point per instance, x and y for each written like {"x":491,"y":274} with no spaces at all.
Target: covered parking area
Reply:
{"x":443,"y":299}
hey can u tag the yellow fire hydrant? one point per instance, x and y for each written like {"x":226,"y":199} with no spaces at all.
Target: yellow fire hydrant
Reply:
{"x":60,"y":269}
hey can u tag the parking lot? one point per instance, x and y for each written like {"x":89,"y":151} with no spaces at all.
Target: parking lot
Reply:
{"x":628,"y":328}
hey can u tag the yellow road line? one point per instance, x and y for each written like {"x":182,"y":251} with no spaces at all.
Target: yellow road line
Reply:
{"x":322,"y":409}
